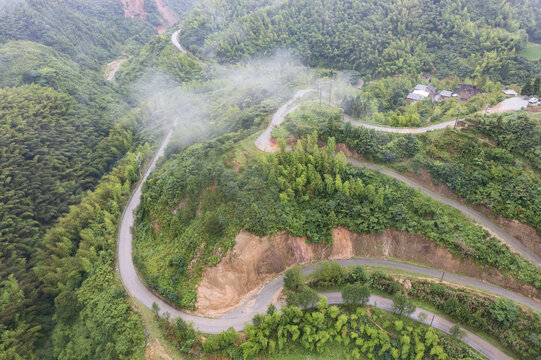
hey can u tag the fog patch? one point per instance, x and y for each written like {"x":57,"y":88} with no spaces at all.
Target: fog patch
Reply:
{"x":233,"y":97}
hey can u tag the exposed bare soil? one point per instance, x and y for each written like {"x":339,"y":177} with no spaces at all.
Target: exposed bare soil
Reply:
{"x":166,"y":13}
{"x":155,"y":351}
{"x":255,"y":260}
{"x":113,"y":67}
{"x":524,"y":233}
{"x":136,"y":8}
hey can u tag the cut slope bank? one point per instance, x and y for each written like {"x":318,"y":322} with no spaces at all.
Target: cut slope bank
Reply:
{"x":256,"y":260}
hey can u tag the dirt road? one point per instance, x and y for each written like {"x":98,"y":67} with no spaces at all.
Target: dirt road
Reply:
{"x":113,"y":67}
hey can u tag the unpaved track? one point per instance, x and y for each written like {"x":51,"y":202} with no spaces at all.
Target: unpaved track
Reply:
{"x":113,"y":67}
{"x":174,"y":40}
{"x":259,"y":302}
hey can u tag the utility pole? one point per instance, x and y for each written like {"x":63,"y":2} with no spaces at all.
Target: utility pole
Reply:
{"x":320,"y":92}
{"x":441,"y":280}
{"x":433,"y":316}
{"x":330,"y":92}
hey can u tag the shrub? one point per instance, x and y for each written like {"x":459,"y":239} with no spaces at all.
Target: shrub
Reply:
{"x":402,"y":305}
{"x":356,"y":294}
{"x":294,"y":279}
{"x":504,"y":311}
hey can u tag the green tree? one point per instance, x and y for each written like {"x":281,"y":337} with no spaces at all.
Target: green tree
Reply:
{"x":402,"y":305}
{"x":294,"y":279}
{"x":504,"y":311}
{"x":356,"y":294}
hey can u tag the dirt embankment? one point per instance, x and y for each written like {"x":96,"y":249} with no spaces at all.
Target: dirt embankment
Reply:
{"x":136,"y":8}
{"x":113,"y":67}
{"x":524,"y":233}
{"x":255,"y":260}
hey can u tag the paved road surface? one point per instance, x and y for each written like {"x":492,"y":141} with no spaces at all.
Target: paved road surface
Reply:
{"x":479,"y":344}
{"x":513,"y":243}
{"x":401,"y":130}
{"x":259,"y":302}
{"x":510,"y":104}
{"x":174,"y":40}
{"x":263,"y":142}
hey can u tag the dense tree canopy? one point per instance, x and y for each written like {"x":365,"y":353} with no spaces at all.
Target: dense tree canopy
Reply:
{"x":375,"y":38}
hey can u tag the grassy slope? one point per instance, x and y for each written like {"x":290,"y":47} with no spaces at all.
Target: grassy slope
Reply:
{"x":532,"y":52}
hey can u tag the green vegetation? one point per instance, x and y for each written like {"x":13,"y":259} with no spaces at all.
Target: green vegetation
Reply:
{"x":71,"y":273}
{"x":62,"y":128}
{"x":532,"y":51}
{"x":160,"y":54}
{"x":362,"y":333}
{"x":375,"y":38}
{"x":195,"y":205}
{"x":516,"y":329}
{"x":532,"y":87}
{"x":384,"y":101}
{"x":89,"y":32}
{"x":503,"y":177}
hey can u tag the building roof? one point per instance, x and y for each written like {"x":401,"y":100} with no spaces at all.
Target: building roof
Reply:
{"x":427,"y":88}
{"x":416,"y":96}
{"x":509,"y":92}
{"x":446,"y":93}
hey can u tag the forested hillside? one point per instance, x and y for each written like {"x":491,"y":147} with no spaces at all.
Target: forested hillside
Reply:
{"x":375,"y":38}
{"x":195,"y":205}
{"x":62,"y":127}
{"x":501,"y":172}
{"x":89,"y":32}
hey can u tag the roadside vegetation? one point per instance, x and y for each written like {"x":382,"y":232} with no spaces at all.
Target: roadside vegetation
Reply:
{"x":384,"y":101}
{"x":500,"y":172}
{"x":351,"y":332}
{"x":194,"y":206}
{"x":320,"y":327}
{"x":518,"y":329}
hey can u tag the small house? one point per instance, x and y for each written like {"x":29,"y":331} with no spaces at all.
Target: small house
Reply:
{"x":417,"y":95}
{"x":428,"y":88}
{"x":443,"y":95}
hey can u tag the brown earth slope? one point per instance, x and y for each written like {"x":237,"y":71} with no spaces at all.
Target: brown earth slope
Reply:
{"x":524,"y":233}
{"x":256,"y":260}
{"x":136,"y":8}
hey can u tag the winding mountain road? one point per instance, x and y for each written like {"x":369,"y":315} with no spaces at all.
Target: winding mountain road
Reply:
{"x":259,"y":302}
{"x":174,"y":40}
{"x":420,"y":130}
{"x":515,"y":245}
{"x":263,"y":142}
